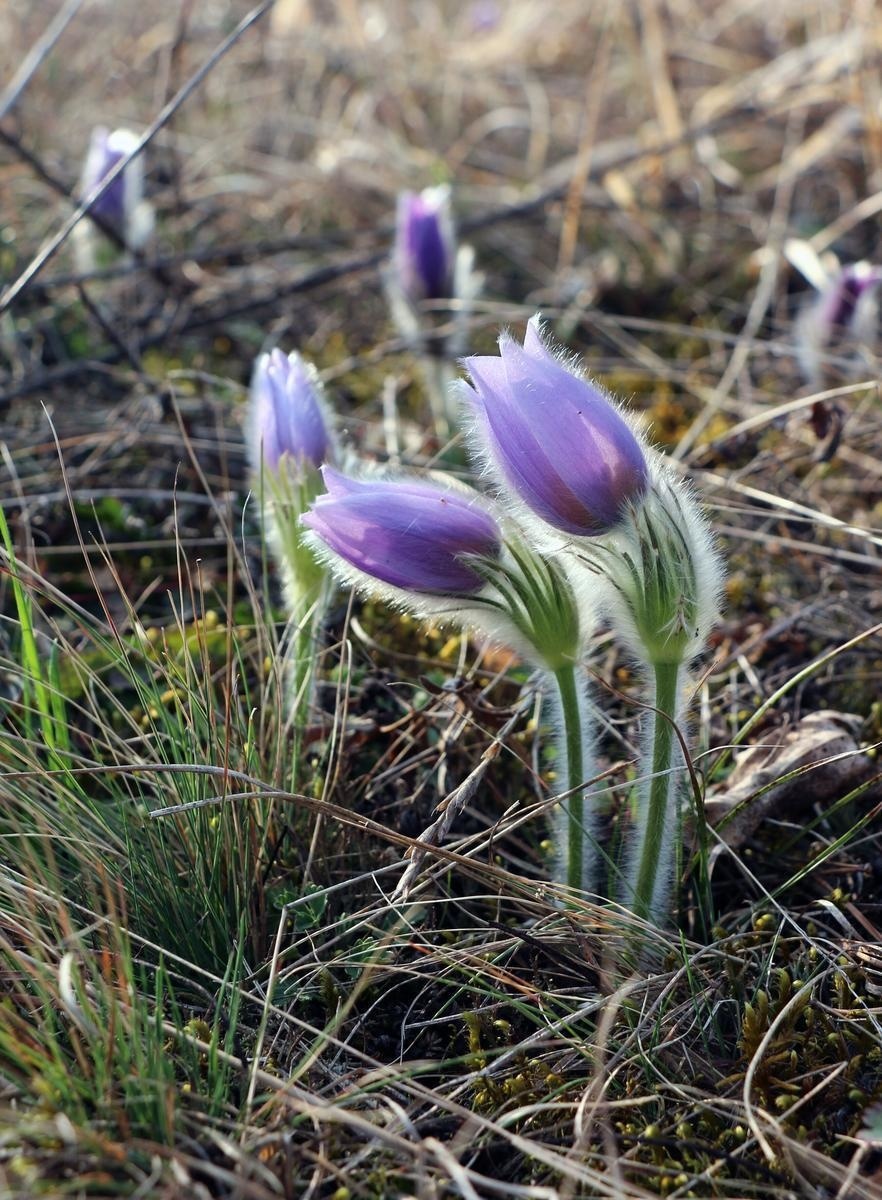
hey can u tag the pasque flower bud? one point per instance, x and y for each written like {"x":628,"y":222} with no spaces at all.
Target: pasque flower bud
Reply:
{"x":841,"y":320}
{"x":411,"y":535}
{"x":425,"y":248}
{"x":288,"y":419}
{"x":440,"y":552}
{"x":122,"y":204}
{"x":555,"y":439}
{"x":431,"y":285}
{"x":636,"y":544}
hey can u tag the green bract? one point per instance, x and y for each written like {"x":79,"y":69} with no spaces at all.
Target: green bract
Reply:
{"x":656,"y":577}
{"x":538,"y":600}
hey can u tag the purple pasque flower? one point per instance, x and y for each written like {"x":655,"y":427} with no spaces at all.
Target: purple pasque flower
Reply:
{"x":839,"y":301}
{"x":117,"y":202}
{"x":287,"y":415}
{"x":557,"y":441}
{"x":412,"y":535}
{"x":840,"y":321}
{"x":425,"y":249}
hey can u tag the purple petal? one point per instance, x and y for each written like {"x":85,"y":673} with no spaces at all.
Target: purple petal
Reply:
{"x":531,"y":472}
{"x":413,"y":536}
{"x":424,"y":247}
{"x":840,"y":301}
{"x":103,"y":156}
{"x":556,"y":438}
{"x":288,"y":416}
{"x":338,"y":484}
{"x":533,"y":344}
{"x":488,"y":374}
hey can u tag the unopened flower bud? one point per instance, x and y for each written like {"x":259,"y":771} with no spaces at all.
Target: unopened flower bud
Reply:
{"x":411,"y":535}
{"x":121,"y":204}
{"x":425,"y":247}
{"x":556,"y":440}
{"x":288,"y":417}
{"x":841,"y":320}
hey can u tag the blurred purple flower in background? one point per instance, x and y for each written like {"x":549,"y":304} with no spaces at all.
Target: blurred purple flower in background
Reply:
{"x":485,"y":15}
{"x":839,"y":302}
{"x":287,"y":417}
{"x":842,"y":320}
{"x":556,"y":440}
{"x":122,"y":197}
{"x":837,"y":331}
{"x":431,"y":285}
{"x":121,"y":207}
{"x":412,"y":535}
{"x":425,"y":248}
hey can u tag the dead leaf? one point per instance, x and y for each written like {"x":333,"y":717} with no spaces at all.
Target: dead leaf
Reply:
{"x":818,"y":760}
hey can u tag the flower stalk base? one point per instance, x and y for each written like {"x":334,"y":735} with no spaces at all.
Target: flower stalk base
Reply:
{"x":657,"y":815}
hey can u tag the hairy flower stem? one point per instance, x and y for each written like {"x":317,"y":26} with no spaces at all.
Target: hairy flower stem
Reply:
{"x":653,"y":839}
{"x":571,"y":744}
{"x":306,"y":594}
{"x":307,"y":624}
{"x":306,"y":598}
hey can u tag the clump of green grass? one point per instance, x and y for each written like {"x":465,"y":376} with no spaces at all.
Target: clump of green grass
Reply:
{"x":141,"y":861}
{"x":153,"y":727}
